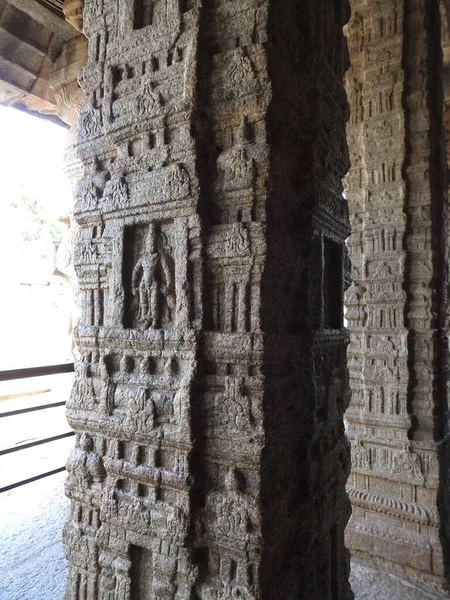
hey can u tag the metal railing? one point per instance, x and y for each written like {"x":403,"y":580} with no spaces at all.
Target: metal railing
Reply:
{"x":16,"y":374}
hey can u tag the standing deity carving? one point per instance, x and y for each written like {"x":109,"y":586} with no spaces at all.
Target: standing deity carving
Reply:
{"x":153,"y":283}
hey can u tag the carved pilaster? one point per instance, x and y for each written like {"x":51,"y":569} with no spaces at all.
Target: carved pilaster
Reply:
{"x":395,"y":356}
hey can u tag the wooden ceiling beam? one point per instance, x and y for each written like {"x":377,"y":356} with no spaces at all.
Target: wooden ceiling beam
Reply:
{"x":45,"y":17}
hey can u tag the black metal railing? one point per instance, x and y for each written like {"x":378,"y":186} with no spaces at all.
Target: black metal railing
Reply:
{"x":23,"y":374}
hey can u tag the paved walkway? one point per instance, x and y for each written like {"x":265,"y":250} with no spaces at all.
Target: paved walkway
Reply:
{"x":33,"y":567}
{"x":32,"y":562}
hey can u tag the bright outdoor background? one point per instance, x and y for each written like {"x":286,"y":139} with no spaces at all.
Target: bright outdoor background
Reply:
{"x":34,"y":304}
{"x":34,"y":301}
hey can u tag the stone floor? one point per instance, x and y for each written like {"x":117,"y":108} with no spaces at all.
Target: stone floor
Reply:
{"x":32,"y":564}
{"x":370,"y":582}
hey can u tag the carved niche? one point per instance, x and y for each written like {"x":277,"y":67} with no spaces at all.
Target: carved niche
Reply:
{"x":149,"y":276}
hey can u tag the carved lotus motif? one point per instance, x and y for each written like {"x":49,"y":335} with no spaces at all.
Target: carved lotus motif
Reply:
{"x":241,"y":70}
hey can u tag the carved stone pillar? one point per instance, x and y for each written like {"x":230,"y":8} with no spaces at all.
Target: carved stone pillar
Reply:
{"x":210,"y":456}
{"x":396,"y":304}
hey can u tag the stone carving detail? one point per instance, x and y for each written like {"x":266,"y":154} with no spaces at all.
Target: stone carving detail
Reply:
{"x":83,"y":394}
{"x":116,"y":193}
{"x":237,"y":241}
{"x":152,"y":294}
{"x":89,"y":123}
{"x":391,"y":305}
{"x":240,"y":70}
{"x":212,"y":270}
{"x":230,"y":511}
{"x":178,"y":182}
{"x":148,"y":102}
{"x":360,"y":457}
{"x":235,"y":166}
{"x":84,"y":465}
{"x":407,"y":466}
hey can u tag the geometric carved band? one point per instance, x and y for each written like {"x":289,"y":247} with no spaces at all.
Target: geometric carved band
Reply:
{"x":393,"y":507}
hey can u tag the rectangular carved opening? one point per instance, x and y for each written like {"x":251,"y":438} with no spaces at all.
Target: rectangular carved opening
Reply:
{"x":127,"y":272}
{"x":143,"y":13}
{"x":332,"y":285}
{"x":141,"y":573}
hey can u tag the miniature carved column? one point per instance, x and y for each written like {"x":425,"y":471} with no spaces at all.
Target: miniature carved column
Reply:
{"x":210,"y":456}
{"x":396,"y":304}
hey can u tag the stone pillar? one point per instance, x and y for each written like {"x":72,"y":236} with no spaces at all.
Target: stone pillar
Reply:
{"x":210,"y":456}
{"x":396,"y":304}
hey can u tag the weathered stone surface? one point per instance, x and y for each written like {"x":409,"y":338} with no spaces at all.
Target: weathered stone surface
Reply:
{"x":396,"y":304}
{"x":372,"y":582}
{"x":211,"y":459}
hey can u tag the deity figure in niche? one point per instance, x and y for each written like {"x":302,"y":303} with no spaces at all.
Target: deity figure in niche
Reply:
{"x":84,"y":465}
{"x":231,"y":510}
{"x":82,"y":395}
{"x":234,"y":406}
{"x":142,"y":414}
{"x":153,"y":283}
{"x":235,"y":166}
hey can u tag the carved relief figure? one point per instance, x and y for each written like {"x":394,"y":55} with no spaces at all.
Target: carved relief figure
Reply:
{"x":234,"y":406}
{"x":178,"y":182}
{"x":234,"y":165}
{"x":148,"y":102}
{"x":182,"y":403}
{"x":241,"y":70}
{"x":153,"y":283}
{"x":108,"y":390}
{"x":116,"y":192}
{"x":141,"y":418}
{"x":82,"y":394}
{"x":89,"y":124}
{"x":237,"y":241}
{"x":230,"y":509}
{"x":407,"y":464}
{"x":360,"y":457}
{"x":107,"y":577}
{"x":84,"y":464}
